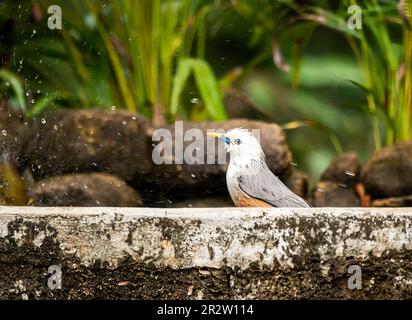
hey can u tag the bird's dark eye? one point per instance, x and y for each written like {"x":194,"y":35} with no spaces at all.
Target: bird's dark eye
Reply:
{"x":237,"y":141}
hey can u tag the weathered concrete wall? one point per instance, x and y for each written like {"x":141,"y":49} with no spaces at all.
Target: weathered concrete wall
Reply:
{"x":205,"y":253}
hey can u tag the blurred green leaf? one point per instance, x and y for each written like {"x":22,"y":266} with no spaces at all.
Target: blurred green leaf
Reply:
{"x":361,"y":86}
{"x":17,"y":86}
{"x":206,"y":83}
{"x":180,"y":79}
{"x":41,"y":105}
{"x":209,"y":89}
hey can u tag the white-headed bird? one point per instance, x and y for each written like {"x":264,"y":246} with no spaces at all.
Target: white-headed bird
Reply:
{"x":249,"y":180}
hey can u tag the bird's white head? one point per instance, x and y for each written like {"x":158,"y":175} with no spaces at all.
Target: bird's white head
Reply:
{"x":242,"y":146}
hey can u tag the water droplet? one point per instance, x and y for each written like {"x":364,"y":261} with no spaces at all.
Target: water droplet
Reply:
{"x":350,"y":173}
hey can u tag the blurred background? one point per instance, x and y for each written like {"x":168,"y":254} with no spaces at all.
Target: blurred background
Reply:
{"x":297,"y":63}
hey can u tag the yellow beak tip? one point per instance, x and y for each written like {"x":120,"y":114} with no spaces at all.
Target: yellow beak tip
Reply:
{"x":214,"y":134}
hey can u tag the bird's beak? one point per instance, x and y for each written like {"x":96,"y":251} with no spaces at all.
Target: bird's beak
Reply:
{"x":219,"y":136}
{"x":216,"y":135}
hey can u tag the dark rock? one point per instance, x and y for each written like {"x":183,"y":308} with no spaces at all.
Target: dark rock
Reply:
{"x":84,"y":190}
{"x":345,"y":169}
{"x":90,"y":140}
{"x":404,"y":201}
{"x":14,"y":132}
{"x":297,"y":181}
{"x":388,"y":173}
{"x":331,"y":194}
{"x":337,"y":184}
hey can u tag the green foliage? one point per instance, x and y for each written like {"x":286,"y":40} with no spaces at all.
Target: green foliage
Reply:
{"x":206,"y":82}
{"x":169,"y":59}
{"x":277,"y":22}
{"x":18,"y":99}
{"x":382,"y":49}
{"x":11,"y":79}
{"x":121,"y":53}
{"x":384,"y":63}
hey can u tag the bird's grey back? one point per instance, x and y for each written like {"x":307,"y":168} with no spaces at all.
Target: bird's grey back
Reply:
{"x":264,"y":185}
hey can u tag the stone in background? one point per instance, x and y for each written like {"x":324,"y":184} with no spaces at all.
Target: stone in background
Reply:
{"x":336,"y":187}
{"x":68,"y":141}
{"x":388,"y":173}
{"x":84,"y":190}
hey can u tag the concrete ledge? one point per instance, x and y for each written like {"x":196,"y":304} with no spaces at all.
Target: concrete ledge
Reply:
{"x":216,"y":253}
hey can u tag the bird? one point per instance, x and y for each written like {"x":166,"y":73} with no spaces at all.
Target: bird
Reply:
{"x":249,"y":180}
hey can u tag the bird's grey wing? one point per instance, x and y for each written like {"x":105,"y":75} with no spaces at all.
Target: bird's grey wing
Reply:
{"x":264,"y":185}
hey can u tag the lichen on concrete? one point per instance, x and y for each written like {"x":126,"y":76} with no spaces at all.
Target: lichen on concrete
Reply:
{"x":205,"y":253}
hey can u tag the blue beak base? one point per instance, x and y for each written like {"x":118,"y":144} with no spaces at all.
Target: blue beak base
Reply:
{"x":225,"y":139}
